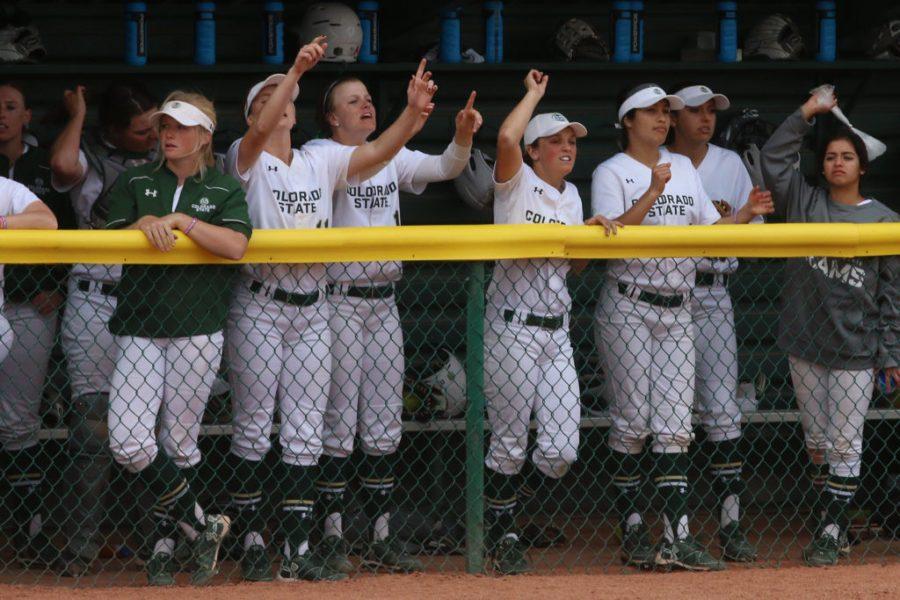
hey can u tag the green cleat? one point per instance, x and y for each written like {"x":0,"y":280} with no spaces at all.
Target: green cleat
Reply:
{"x":309,"y":567}
{"x":508,"y":557}
{"x":844,"y":545}
{"x":255,"y":564}
{"x":637,"y":549}
{"x":389,"y":555}
{"x":687,"y":554}
{"x":822,"y":552}
{"x":735,"y":545}
{"x":206,"y":549}
{"x":161,"y":570}
{"x":336,"y":553}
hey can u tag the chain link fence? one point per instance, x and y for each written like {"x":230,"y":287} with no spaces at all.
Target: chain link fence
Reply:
{"x":438,"y":423}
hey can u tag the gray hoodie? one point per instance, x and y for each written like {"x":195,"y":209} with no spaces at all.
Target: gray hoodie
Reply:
{"x":841,"y":313}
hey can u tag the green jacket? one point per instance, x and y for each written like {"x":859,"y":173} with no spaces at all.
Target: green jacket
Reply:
{"x":165,"y":301}
{"x":21,"y":283}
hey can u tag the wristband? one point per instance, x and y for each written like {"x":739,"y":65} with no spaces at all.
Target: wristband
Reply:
{"x":187,"y":229}
{"x":3,"y":223}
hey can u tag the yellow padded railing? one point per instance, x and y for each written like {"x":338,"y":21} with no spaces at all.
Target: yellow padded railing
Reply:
{"x":465,"y":242}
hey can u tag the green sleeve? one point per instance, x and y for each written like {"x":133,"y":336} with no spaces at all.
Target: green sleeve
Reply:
{"x":234,"y":213}
{"x":122,"y":204}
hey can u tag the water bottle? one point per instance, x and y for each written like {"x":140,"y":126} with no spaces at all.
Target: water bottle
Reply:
{"x":273,"y":33}
{"x":136,"y":33}
{"x":637,"y":31}
{"x":728,"y":36}
{"x":493,"y":29}
{"x":205,"y":34}
{"x":450,"y":31}
{"x":621,"y":31}
{"x":826,"y":31}
{"x":368,"y":20}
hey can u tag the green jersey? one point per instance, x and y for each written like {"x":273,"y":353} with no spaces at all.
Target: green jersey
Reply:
{"x":161,"y":301}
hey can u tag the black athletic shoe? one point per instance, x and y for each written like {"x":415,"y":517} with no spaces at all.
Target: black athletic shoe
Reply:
{"x":508,"y":557}
{"x":637,"y":548}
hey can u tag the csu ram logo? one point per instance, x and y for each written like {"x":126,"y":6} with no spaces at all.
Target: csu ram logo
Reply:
{"x":203,"y":206}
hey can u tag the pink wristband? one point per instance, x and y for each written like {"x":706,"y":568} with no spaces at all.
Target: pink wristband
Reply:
{"x":187,"y":229}
{"x":3,"y":223}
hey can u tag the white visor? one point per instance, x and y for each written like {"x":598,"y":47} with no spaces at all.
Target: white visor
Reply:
{"x":185,"y":113}
{"x":273,"y":79}
{"x":647,"y":97}
{"x":549,"y":124}
{"x":698,"y":95}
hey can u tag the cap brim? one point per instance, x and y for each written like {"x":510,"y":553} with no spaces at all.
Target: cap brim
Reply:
{"x":720,"y":101}
{"x":273,"y":79}
{"x":183,"y":119}
{"x":675,"y":103}
{"x":579,"y":129}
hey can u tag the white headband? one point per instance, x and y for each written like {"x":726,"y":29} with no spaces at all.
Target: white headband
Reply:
{"x":646,"y":97}
{"x":185,"y":113}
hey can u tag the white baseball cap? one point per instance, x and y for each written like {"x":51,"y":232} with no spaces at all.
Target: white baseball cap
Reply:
{"x":548,"y":124}
{"x":697,"y":95}
{"x":645,"y":96}
{"x":185,"y":113}
{"x":273,"y":79}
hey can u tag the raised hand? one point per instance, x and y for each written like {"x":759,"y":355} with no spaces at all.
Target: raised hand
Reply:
{"x":74,"y":101}
{"x":536,"y":82}
{"x":659,"y":177}
{"x":310,"y":54}
{"x":468,"y":122}
{"x":760,"y":202}
{"x":818,"y":104}
{"x":421,"y":90}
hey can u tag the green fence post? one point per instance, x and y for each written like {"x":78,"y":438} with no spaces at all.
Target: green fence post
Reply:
{"x":475,"y":419}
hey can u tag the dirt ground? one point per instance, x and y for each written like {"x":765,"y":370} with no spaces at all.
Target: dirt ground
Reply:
{"x":586,"y":567}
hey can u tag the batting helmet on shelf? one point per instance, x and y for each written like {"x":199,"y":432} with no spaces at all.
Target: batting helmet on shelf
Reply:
{"x":577,"y":40}
{"x":776,"y":37}
{"x":340,"y":23}
{"x":21,"y":44}
{"x":885,"y":41}
{"x":475,"y":185}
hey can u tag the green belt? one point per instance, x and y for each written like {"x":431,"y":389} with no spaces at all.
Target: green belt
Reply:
{"x":368,"y":292}
{"x":531,"y":320}
{"x":280,"y":295}
{"x":651,"y":298}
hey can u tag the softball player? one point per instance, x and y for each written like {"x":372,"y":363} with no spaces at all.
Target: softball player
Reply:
{"x":86,"y":164}
{"x":27,"y":325}
{"x":643,"y":325}
{"x":170,"y":341}
{"x":529,"y":366}
{"x":366,"y":391}
{"x":840,"y":319}
{"x":727,"y":182}
{"x":278,"y":337}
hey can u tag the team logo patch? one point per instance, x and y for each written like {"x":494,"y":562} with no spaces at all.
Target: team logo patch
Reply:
{"x":558,"y":117}
{"x":204,"y":206}
{"x":150,"y":193}
{"x":705,"y":89}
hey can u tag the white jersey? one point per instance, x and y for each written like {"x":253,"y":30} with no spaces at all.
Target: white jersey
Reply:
{"x":83,"y":194}
{"x":534,"y":285}
{"x":295,"y":196}
{"x":14,"y":199}
{"x":374,"y":202}
{"x":619,"y":182}
{"x":726,"y":181}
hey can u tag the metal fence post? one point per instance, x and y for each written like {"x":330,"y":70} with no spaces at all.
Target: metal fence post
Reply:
{"x":475,"y":419}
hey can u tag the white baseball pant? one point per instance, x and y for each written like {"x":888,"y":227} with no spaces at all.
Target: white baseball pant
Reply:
{"x":529,"y":370}
{"x":648,"y":357}
{"x":22,"y":374}
{"x":89,"y":346}
{"x":7,"y":338}
{"x":833,"y":404}
{"x":717,"y":364}
{"x":366,"y":392}
{"x":278,"y":354}
{"x":164,"y":380}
